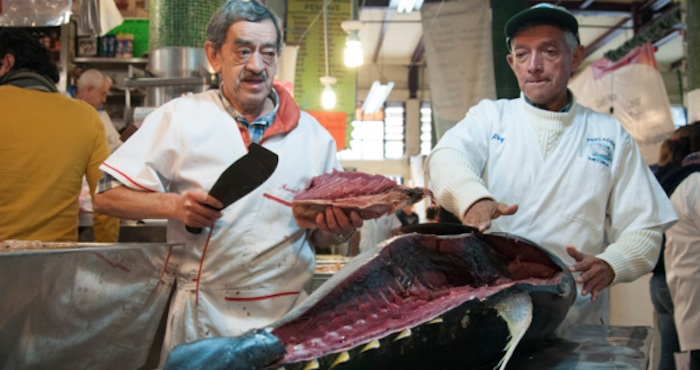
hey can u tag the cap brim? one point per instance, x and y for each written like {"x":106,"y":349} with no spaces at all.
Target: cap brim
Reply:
{"x":541,"y":16}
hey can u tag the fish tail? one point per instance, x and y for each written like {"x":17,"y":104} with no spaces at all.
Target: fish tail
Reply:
{"x":516,"y":310}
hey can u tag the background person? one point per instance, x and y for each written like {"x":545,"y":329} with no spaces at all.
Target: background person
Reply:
{"x":92,"y":88}
{"x":682,"y":259}
{"x":377,"y":230}
{"x":250,"y":264}
{"x":671,"y":154}
{"x":529,"y":158}
{"x":48,"y":143}
{"x":432,"y":214}
{"x":407,"y":216}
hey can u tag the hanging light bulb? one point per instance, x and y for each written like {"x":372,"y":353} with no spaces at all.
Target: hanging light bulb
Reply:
{"x":354,"y":56}
{"x":328,"y":98}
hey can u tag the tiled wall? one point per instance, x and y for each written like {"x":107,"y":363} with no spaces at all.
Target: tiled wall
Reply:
{"x":180,"y":22}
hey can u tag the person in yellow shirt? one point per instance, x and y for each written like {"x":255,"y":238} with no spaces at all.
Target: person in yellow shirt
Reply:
{"x":48,"y":143}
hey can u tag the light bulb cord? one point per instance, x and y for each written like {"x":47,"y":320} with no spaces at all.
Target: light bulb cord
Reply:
{"x":325,"y":35}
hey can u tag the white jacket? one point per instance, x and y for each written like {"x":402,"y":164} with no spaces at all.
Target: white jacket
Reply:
{"x":592,"y":186}
{"x":251,"y":267}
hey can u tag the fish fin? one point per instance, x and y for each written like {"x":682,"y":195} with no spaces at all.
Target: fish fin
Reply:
{"x":404,"y":334}
{"x":371,"y":345}
{"x":342,"y":357}
{"x":516,"y":310}
{"x":312,"y":365}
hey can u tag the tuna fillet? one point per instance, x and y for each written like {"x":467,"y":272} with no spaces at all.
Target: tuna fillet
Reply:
{"x":370,"y":195}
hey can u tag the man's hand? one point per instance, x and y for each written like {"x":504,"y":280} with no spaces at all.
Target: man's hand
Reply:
{"x":196,"y":208}
{"x":336,"y":221}
{"x":334,"y":225}
{"x":480,"y":214}
{"x":595,"y":274}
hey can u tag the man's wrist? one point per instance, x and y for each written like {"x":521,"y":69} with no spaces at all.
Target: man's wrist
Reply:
{"x":342,"y":238}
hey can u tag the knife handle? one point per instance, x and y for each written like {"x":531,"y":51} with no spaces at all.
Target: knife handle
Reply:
{"x":193,"y":230}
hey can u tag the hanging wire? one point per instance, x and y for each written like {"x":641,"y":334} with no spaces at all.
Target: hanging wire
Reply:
{"x":313,"y":21}
{"x":325,"y":35}
{"x":432,"y":21}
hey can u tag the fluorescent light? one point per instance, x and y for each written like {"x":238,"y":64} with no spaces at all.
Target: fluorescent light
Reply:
{"x":328,"y":98}
{"x":406,"y":6}
{"x":376,"y":97}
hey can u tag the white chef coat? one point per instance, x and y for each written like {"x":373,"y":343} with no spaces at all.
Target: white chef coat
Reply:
{"x":113,"y":137}
{"x":377,"y":230}
{"x":609,"y":190}
{"x":251,"y":267}
{"x":682,"y":262}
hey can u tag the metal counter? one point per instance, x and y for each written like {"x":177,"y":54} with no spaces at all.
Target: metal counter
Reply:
{"x":589,"y":347}
{"x":82,"y":305}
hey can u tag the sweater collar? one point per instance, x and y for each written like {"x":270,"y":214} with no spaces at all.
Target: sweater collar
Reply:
{"x":543,"y":116}
{"x":566,"y":108}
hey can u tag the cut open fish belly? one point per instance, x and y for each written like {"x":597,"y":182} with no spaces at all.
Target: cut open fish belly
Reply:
{"x":422,"y":301}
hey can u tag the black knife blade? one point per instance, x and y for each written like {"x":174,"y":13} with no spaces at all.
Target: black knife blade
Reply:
{"x":242,"y":177}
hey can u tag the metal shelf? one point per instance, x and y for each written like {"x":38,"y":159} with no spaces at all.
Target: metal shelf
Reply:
{"x":105,"y":60}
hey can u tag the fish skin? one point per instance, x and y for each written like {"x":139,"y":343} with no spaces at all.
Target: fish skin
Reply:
{"x":470,"y":335}
{"x":244,"y":352}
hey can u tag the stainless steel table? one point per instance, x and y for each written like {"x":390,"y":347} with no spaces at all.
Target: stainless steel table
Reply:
{"x":82,"y":305}
{"x":588,"y":347}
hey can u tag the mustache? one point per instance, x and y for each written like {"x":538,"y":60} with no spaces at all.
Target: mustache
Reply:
{"x":255,"y":76}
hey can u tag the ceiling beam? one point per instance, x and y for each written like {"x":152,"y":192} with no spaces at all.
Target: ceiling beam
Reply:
{"x":418,"y":53}
{"x":586,"y":4}
{"x":592,"y":8}
{"x":606,"y":37}
{"x":416,"y":59}
{"x":382,"y":36}
{"x":677,"y":64}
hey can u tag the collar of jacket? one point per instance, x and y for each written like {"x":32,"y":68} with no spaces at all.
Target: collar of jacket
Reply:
{"x":288,"y":114}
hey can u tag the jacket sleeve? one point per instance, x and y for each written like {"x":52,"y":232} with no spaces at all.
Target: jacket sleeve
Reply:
{"x":637,"y":218}
{"x":634,"y":254}
{"x":455,"y":165}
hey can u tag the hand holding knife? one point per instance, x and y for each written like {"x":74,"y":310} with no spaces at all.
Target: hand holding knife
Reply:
{"x":242,"y":177}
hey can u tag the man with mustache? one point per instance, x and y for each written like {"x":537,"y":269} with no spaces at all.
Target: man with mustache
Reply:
{"x":567,"y":178}
{"x":250,"y":264}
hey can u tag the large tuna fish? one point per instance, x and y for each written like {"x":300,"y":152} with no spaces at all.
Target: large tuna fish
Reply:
{"x":416,"y":301}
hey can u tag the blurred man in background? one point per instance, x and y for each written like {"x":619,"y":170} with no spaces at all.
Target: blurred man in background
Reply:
{"x":48,"y":143}
{"x":93,"y":87}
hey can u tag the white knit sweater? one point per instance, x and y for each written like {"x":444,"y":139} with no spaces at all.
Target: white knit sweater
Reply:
{"x":458,"y":185}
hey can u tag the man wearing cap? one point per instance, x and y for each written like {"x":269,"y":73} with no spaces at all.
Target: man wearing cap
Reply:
{"x":566,"y":177}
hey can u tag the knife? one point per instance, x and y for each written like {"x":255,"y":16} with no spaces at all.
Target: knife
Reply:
{"x":243,"y":176}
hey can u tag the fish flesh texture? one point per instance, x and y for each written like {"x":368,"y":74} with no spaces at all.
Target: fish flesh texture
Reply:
{"x":370,"y":195}
{"x":417,"y":301}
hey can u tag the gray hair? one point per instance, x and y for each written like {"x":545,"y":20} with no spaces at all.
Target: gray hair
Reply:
{"x":94,"y":78}
{"x":570,"y":39}
{"x":239,"y":10}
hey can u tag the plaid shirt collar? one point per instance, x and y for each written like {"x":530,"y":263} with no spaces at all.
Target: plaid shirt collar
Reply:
{"x":257,"y":128}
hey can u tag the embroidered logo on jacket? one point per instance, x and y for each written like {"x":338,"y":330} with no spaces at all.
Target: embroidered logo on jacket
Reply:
{"x":600,"y":150}
{"x":497,"y":138}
